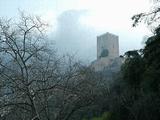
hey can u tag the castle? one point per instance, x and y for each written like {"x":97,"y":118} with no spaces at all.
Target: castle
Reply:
{"x":107,"y":46}
{"x":107,"y":53}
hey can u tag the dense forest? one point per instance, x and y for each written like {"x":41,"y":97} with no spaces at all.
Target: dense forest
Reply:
{"x":38,"y":84}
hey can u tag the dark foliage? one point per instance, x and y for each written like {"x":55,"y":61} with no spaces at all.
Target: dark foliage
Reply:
{"x":104,"y":53}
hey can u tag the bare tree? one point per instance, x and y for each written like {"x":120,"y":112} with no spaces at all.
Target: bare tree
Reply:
{"x":24,"y":56}
{"x":36,"y":84}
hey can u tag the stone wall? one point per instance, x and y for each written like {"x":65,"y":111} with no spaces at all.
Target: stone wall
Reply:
{"x":108,"y":42}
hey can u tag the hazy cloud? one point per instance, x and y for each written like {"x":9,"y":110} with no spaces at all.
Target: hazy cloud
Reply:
{"x":73,"y":37}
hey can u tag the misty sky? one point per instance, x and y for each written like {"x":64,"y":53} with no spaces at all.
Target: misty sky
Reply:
{"x":76,"y":23}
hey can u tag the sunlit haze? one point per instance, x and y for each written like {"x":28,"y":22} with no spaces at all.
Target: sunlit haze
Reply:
{"x":74,"y":24}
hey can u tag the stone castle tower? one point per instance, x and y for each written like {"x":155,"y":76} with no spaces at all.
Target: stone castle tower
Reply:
{"x":107,"y":53}
{"x":107,"y":46}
